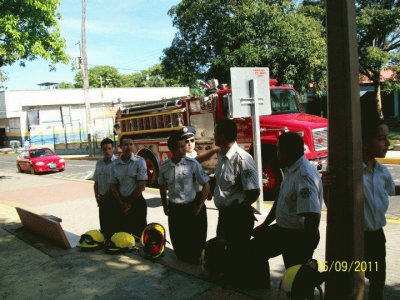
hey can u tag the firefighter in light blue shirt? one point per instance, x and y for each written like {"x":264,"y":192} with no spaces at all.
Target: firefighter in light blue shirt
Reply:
{"x":378,"y":186}
{"x":236,"y":189}
{"x":184,"y":206}
{"x":128,"y":181}
{"x":102,"y":192}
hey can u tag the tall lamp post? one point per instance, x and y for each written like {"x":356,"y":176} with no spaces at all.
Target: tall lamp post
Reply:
{"x":84,"y":69}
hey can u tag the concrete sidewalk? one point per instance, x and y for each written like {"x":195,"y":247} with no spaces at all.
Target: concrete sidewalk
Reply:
{"x":33,"y":269}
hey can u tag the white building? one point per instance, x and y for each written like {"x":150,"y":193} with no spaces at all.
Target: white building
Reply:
{"x":40,"y":115}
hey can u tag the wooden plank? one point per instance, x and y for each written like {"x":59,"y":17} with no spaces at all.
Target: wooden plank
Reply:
{"x":48,"y":227}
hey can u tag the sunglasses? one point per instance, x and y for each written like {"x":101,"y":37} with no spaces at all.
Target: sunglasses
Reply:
{"x":189,"y":140}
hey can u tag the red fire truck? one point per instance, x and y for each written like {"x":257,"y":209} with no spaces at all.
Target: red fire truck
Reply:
{"x":151,"y":123}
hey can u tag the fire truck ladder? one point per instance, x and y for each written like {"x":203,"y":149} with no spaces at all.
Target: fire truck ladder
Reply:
{"x":153,"y":122}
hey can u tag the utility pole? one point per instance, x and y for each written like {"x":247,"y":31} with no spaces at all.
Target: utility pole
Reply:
{"x":84,"y":68}
{"x":101,"y":88}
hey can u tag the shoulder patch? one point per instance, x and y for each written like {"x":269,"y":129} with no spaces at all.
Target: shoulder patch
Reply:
{"x":305,"y":192}
{"x":247,"y":173}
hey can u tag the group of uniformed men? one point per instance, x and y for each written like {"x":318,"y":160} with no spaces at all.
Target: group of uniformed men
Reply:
{"x":184,"y":187}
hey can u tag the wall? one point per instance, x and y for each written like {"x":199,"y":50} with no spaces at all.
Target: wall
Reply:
{"x":15,"y":107}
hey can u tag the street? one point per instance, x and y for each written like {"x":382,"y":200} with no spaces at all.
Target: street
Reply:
{"x":75,"y":169}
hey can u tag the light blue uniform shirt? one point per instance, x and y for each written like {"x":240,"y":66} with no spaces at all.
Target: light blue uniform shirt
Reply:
{"x":102,"y":175}
{"x":181,"y":179}
{"x":126,"y":174}
{"x":235,"y":173}
{"x":378,"y":186}
{"x":301,"y":192}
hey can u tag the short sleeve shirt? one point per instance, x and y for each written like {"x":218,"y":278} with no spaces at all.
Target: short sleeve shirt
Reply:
{"x":301,"y":192}
{"x":378,"y":186}
{"x":181,"y":179}
{"x":235,"y":173}
{"x":126,"y":174}
{"x":102,"y":175}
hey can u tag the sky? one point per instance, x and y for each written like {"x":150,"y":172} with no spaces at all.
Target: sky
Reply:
{"x":127,"y":34}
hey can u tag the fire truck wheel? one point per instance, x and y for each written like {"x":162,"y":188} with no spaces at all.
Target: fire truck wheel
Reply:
{"x":271,"y":178}
{"x":152,"y":171}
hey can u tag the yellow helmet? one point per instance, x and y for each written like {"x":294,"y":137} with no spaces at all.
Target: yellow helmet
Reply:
{"x":120,"y":242}
{"x":299,"y":281}
{"x":288,"y":278}
{"x":153,"y":240}
{"x":91,"y":240}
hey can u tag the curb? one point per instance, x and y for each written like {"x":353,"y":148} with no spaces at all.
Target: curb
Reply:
{"x":80,"y":158}
{"x":389,"y":161}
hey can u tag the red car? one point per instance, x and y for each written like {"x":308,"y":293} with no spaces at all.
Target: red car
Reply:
{"x":38,"y":160}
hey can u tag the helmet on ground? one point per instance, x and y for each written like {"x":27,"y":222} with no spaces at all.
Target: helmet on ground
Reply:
{"x":153,"y":240}
{"x":299,"y":281}
{"x":120,"y":242}
{"x":91,"y":240}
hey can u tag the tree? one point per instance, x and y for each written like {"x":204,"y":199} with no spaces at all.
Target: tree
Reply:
{"x":215,"y":35}
{"x":65,"y":85}
{"x":106,"y":76}
{"x":28,"y":30}
{"x":110,"y":77}
{"x":378,"y":35}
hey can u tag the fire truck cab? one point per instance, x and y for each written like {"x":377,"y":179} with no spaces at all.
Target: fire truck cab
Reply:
{"x":151,"y":123}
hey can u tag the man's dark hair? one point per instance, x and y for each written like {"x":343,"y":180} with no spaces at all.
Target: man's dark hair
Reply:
{"x":124,"y":137}
{"x":106,"y":141}
{"x":369,"y":125}
{"x":173,"y":139}
{"x":228,"y":129}
{"x":291,"y":144}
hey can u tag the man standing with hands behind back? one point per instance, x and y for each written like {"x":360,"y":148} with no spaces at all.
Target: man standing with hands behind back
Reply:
{"x":128,"y":181}
{"x":236,"y":189}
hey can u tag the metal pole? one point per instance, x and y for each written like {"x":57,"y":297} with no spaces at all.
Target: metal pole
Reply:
{"x":257,"y":142}
{"x":84,"y":68}
{"x":54,"y":139}
{"x":344,"y":242}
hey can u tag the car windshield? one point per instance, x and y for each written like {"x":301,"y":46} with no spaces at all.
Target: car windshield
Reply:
{"x":283,"y":101}
{"x":41,"y":152}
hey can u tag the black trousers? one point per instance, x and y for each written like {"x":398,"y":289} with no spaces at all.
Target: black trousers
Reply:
{"x":235,"y":225}
{"x":375,"y":258}
{"x":108,"y":218}
{"x":188,"y":232}
{"x":113,"y":219}
{"x":294,"y":245}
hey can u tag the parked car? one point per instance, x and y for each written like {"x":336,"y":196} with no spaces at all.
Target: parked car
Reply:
{"x":39,"y":160}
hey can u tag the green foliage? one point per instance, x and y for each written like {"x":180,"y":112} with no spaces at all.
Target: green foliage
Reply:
{"x":65,"y":85}
{"x":215,"y":35}
{"x":28,"y":30}
{"x":105,"y":76}
{"x":378,"y":34}
{"x":110,"y":77}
